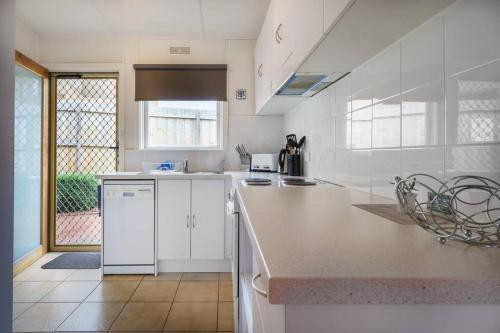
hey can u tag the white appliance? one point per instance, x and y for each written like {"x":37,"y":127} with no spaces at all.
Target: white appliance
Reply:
{"x":234,"y":217}
{"x":128,"y":211}
{"x":264,"y":162}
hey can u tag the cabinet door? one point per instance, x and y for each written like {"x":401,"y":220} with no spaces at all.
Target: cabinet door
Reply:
{"x":207,"y":231}
{"x":307,"y":29}
{"x":332,"y":10}
{"x":174,"y":219}
{"x":281,"y":35}
{"x":263,"y":67}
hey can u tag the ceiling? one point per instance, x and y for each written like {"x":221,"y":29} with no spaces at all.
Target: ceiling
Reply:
{"x":144,"y":18}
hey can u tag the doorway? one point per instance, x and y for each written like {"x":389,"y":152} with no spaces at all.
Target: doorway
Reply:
{"x":84,"y":143}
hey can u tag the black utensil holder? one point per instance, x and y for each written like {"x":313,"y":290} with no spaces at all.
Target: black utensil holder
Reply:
{"x":293,"y":163}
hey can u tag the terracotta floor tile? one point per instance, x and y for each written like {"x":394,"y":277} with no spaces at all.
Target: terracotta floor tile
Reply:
{"x":113,"y":291}
{"x":35,"y":273}
{"x":164,"y":276}
{"x":192,"y":317}
{"x":32,"y":291}
{"x":70,"y":291}
{"x":131,"y":277}
{"x":19,"y":308}
{"x":43,"y":317}
{"x":226,"y":276}
{"x":155,"y":291}
{"x":92,"y":317}
{"x":200,"y":276}
{"x":138,"y":317}
{"x":197,"y":291}
{"x":225,"y":291}
{"x":225,"y":320}
{"x":85,"y":275}
{"x":46,"y":258}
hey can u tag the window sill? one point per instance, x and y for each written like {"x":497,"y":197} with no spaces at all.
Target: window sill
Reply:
{"x":201,"y":149}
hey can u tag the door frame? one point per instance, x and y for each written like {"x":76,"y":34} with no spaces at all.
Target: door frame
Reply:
{"x":35,"y":254}
{"x":84,"y":73}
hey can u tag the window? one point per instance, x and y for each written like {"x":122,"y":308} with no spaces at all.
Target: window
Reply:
{"x":182,"y":124}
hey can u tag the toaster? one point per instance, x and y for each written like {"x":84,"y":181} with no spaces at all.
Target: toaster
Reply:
{"x":264,"y":162}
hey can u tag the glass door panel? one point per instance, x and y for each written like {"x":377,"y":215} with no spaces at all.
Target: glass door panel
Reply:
{"x":27,"y":162}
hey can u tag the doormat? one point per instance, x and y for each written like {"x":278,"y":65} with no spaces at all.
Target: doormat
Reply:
{"x":389,"y":212}
{"x":75,"y":261}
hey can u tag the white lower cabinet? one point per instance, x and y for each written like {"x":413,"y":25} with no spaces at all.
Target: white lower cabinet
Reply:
{"x":174,"y":219}
{"x":191,"y":219}
{"x":208,"y":213}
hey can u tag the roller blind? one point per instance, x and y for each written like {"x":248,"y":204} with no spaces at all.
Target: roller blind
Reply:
{"x":180,"y":82}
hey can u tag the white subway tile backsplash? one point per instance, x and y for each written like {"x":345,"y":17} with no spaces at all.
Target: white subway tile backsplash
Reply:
{"x":360,"y":173}
{"x":385,"y":166}
{"x":361,"y":87}
{"x":472,"y":30}
{"x":342,"y":167}
{"x":361,"y":129}
{"x":481,"y":160}
{"x":398,"y":114}
{"x":423,"y":116}
{"x":422,"y":57}
{"x":342,"y":131}
{"x":343,"y":96}
{"x":387,"y":123}
{"x":429,"y":161}
{"x":386,"y":74}
{"x":473,"y":106}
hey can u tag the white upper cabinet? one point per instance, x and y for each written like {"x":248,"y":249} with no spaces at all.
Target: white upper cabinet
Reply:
{"x":330,"y":37}
{"x":207,"y":233}
{"x":262,"y":68}
{"x":291,"y":30}
{"x":333,"y":10}
{"x":174,"y":219}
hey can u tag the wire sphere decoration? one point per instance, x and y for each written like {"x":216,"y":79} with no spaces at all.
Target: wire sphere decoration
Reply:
{"x":464,"y":208}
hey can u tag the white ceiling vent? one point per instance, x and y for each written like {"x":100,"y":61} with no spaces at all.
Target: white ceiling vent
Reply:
{"x":180,"y":50}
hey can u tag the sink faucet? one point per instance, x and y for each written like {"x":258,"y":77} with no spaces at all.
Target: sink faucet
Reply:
{"x":186,"y":166}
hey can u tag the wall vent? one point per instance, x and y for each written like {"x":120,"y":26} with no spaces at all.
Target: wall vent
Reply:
{"x":180,"y":50}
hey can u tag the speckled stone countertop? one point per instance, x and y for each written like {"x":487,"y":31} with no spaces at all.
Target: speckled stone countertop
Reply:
{"x":319,"y":249}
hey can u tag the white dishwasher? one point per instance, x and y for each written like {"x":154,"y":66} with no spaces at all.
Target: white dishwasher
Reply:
{"x":128,"y":227}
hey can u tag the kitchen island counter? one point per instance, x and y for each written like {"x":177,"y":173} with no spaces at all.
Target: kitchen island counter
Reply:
{"x":317,"y":248}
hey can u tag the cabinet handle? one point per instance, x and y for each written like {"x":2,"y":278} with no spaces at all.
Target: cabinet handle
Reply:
{"x":259,"y":71}
{"x":277,"y":35}
{"x":194,"y":224}
{"x":257,"y":289}
{"x":187,"y":221}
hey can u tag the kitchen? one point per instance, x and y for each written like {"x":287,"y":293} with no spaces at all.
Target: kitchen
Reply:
{"x":255,"y":166}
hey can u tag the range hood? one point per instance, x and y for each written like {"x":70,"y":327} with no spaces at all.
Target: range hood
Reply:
{"x":307,"y":84}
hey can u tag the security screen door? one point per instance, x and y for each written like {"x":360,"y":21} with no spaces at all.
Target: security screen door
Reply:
{"x":86,"y":144}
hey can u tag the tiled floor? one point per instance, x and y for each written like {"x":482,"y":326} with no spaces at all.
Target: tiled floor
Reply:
{"x":79,"y":301}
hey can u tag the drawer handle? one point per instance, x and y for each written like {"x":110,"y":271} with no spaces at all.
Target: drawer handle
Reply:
{"x":194,"y":224}
{"x":257,"y":289}
{"x":187,"y":221}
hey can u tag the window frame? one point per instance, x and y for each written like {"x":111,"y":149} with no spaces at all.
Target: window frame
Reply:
{"x":145,"y":132}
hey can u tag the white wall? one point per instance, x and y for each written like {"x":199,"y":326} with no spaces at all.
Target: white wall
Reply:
{"x":257,"y":133}
{"x":7,"y":9}
{"x":428,"y":103}
{"x":27,"y":42}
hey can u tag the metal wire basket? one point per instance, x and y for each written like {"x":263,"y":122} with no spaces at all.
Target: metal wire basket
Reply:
{"x":464,"y":208}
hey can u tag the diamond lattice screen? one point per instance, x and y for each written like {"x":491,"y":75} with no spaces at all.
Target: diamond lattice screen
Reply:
{"x":86,"y":145}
